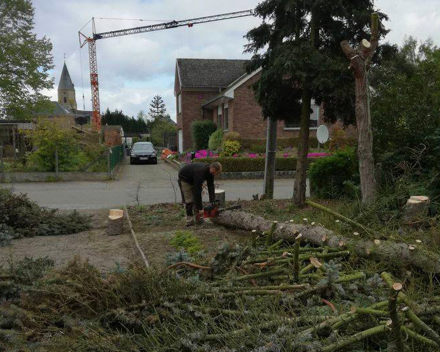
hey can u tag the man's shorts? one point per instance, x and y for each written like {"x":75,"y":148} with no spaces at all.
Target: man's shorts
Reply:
{"x":187,"y":191}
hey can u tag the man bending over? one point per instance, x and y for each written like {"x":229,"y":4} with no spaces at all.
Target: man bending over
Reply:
{"x":191,"y":179}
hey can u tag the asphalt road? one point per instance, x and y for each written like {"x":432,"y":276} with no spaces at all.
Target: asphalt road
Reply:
{"x":148,"y":184}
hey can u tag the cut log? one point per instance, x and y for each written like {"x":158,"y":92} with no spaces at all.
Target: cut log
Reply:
{"x":415,"y":207}
{"x":387,"y":251}
{"x":220,"y":196}
{"x":115,"y":224}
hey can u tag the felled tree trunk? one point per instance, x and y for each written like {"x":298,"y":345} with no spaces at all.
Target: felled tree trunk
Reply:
{"x":400,"y":253}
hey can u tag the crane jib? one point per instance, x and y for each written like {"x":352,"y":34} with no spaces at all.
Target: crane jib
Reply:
{"x":172,"y":24}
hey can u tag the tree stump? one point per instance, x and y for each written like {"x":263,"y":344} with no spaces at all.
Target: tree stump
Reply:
{"x":415,"y":208}
{"x":115,"y":224}
{"x":220,"y":195}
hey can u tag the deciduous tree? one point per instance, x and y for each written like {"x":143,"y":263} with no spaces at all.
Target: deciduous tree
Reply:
{"x":25,"y":61}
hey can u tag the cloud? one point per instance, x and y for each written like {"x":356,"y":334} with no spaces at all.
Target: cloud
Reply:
{"x":132,"y":69}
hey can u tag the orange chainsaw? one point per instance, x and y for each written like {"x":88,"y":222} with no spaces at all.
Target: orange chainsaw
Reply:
{"x":213,"y":210}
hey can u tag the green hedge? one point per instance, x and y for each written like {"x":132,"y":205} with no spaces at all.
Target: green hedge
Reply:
{"x":248,"y":143}
{"x":201,"y":131}
{"x":231,"y":164}
{"x":253,"y":143}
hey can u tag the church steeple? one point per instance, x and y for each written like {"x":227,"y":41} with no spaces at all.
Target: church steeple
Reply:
{"x":66,"y":90}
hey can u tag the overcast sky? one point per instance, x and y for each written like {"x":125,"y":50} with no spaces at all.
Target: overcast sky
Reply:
{"x":132,"y":69}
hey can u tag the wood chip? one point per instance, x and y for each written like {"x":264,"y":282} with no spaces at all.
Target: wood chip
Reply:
{"x":298,"y":237}
{"x":286,"y":254}
{"x":324,"y":238}
{"x":341,"y":243}
{"x":418,"y":241}
{"x":356,"y":233}
{"x":315,"y":262}
{"x":411,"y":247}
{"x":397,"y":286}
{"x":377,"y":242}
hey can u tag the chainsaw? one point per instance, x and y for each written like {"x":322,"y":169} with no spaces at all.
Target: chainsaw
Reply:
{"x":213,"y":210}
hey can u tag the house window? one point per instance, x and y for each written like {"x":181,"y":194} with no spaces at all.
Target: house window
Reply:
{"x":226,"y":119}
{"x":179,"y":103}
{"x":65,"y":100}
{"x":314,"y":117}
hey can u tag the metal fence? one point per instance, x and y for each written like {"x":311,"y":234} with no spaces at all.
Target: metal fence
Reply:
{"x":116,"y":155}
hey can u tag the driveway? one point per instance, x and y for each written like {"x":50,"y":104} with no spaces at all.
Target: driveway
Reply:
{"x":146,"y":184}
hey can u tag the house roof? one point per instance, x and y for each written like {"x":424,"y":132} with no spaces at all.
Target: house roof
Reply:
{"x":65,"y":80}
{"x":209,"y":73}
{"x":228,"y":93}
{"x":56,"y":110}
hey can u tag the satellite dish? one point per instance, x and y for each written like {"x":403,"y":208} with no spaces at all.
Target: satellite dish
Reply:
{"x":322,"y":134}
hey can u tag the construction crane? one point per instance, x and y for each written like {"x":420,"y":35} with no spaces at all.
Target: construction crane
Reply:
{"x":93,"y":61}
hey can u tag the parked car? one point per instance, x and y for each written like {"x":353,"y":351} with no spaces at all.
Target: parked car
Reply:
{"x":143,"y":152}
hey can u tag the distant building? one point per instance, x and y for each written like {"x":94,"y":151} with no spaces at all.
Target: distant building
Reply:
{"x":66,"y":109}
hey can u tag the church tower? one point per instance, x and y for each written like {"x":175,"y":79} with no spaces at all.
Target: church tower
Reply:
{"x":66,"y":90}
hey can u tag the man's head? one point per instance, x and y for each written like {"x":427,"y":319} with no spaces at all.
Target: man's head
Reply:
{"x":215,"y":168}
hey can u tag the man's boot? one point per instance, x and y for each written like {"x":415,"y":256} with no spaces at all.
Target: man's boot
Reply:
{"x":189,"y":214}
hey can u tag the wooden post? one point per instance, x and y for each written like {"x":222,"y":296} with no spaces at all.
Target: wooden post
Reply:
{"x":271,"y":149}
{"x":360,"y":62}
{"x":115,"y":224}
{"x":220,"y":195}
{"x":56,"y":161}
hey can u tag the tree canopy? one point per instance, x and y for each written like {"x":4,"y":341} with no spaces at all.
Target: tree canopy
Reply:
{"x":25,"y":62}
{"x":129,"y":124}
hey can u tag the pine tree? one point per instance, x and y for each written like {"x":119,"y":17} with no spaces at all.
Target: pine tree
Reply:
{"x":157,"y":108}
{"x":25,"y":61}
{"x":302,"y":60}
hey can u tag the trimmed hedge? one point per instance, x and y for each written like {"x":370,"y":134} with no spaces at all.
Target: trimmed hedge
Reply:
{"x":231,"y":164}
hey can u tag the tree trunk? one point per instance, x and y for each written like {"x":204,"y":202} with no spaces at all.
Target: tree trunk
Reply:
{"x":299,"y":190}
{"x":399,"y":253}
{"x":300,"y":186}
{"x":365,"y":138}
{"x":269,"y":168}
{"x":360,"y":60}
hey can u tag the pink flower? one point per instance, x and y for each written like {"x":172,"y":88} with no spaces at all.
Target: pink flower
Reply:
{"x":285,"y":155}
{"x":252,"y":155}
{"x":235,"y":155}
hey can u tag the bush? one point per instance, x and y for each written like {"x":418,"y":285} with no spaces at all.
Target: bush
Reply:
{"x":335,"y":176}
{"x":48,"y":137}
{"x":258,"y":148}
{"x":201,"y":131}
{"x":187,"y":241}
{"x":232,"y":136}
{"x":241,"y":164}
{"x":339,"y":140}
{"x":216,"y":139}
{"x":249,"y":143}
{"x":230,"y":148}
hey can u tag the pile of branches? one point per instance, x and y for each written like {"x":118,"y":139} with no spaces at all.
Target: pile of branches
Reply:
{"x":267,"y":296}
{"x":20,"y":217}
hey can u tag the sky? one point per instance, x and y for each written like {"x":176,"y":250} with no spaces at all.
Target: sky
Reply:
{"x":134,"y":68}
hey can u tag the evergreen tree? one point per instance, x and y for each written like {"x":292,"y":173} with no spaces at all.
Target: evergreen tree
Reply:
{"x":129,"y":124}
{"x":157,"y":108}
{"x":302,"y":60}
{"x":25,"y":61}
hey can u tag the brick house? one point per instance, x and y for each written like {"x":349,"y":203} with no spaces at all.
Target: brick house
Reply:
{"x":221,"y":90}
